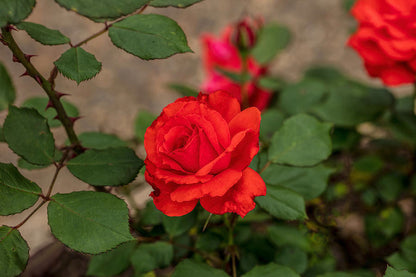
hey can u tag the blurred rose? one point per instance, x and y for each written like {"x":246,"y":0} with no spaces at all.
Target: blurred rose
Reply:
{"x":386,"y":39}
{"x":222,"y":54}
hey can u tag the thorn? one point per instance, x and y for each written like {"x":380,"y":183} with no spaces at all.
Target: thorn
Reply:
{"x":2,"y":40}
{"x":15,"y":59}
{"x":10,"y":28}
{"x":25,"y":74}
{"x":37,"y":78}
{"x":28,"y":57}
{"x":60,"y":94}
{"x":49,"y":105}
{"x":73,"y":119}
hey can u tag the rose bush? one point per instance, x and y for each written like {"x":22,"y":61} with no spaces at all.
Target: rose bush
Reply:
{"x":199,"y":149}
{"x":386,"y":39}
{"x":223,"y":54}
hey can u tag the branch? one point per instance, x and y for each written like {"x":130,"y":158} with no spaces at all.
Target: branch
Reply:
{"x":46,"y":85}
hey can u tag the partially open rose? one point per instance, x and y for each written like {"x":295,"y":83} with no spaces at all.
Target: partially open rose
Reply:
{"x":223,"y":54}
{"x":386,"y":39}
{"x":199,"y":149}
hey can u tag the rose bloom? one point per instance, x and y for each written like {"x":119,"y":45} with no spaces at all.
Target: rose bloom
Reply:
{"x":199,"y":149}
{"x":386,"y":39}
{"x":223,"y":53}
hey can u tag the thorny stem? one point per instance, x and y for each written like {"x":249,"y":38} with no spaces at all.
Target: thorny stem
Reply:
{"x":30,"y":215}
{"x":231,"y":247}
{"x":46,"y":198}
{"x":107,"y":26}
{"x":47,"y":87}
{"x":244,"y":84}
{"x":414,"y":98}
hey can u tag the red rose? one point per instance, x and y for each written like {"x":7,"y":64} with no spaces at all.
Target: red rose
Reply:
{"x":386,"y":39}
{"x":199,"y":149}
{"x":223,"y":53}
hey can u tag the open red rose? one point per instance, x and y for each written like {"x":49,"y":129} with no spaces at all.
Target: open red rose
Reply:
{"x":223,"y":54}
{"x":199,"y":149}
{"x":386,"y":39}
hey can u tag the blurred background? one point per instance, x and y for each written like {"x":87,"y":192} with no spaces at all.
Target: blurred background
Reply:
{"x":127,"y":84}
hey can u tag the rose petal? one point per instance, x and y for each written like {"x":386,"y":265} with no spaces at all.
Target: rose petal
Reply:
{"x":397,"y":75}
{"x":223,"y":103}
{"x":247,"y":119}
{"x":248,"y":137}
{"x":240,"y":198}
{"x":217,"y":186}
{"x":171,"y":208}
{"x":173,"y":176}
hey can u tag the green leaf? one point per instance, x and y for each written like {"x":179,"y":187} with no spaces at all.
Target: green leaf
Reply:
{"x":150,"y":215}
{"x":408,"y":247}
{"x":103,"y":9}
{"x":78,"y":65}
{"x":271,"y":121}
{"x":2,"y":139}
{"x":237,"y":77}
{"x":285,"y":235}
{"x":28,"y":135}
{"x":190,"y":268}
{"x":89,"y":222}
{"x":390,"y":186}
{"x":176,"y":226}
{"x":272,"y":39}
{"x":173,"y":3}
{"x":43,"y":34}
{"x":14,"y":252}
{"x":310,"y":182}
{"x":292,"y":257}
{"x":143,"y":120}
{"x":406,"y":258}
{"x":22,"y":163}
{"x":271,"y":270}
{"x":14,"y":11}
{"x":149,"y":256}
{"x":382,"y":227}
{"x":349,"y":104}
{"x":183,"y":90}
{"x":391,"y":272}
{"x":302,"y":97}
{"x":106,"y":167}
{"x":401,"y":262}
{"x":403,"y":126}
{"x":99,"y":140}
{"x":348,"y":4}
{"x":325,"y":74}
{"x":208,"y":241}
{"x":40,"y":103}
{"x":149,"y":36}
{"x":16,"y":192}
{"x":344,"y":138}
{"x":337,"y":274}
{"x":7,"y":92}
{"x":301,"y":141}
{"x":283,"y":203}
{"x":271,"y":83}
{"x":112,"y":262}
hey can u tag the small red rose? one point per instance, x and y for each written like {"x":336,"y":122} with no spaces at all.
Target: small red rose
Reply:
{"x":223,"y":54}
{"x":386,"y":39}
{"x":199,"y":149}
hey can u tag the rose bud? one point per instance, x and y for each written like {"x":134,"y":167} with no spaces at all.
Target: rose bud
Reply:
{"x":222,"y":54}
